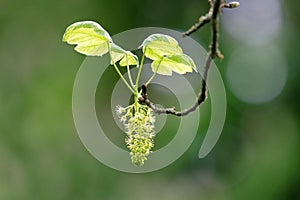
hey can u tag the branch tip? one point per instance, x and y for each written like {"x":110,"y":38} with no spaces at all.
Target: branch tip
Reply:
{"x":233,"y":4}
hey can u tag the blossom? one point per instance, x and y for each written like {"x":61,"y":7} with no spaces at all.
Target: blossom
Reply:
{"x":138,"y":121}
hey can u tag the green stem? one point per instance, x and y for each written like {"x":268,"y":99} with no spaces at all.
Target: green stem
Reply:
{"x":139,"y":73}
{"x":123,"y":79}
{"x":152,"y":77}
{"x":129,"y":74}
{"x":121,"y":76}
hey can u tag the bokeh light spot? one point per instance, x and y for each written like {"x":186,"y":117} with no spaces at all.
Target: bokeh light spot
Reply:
{"x":254,"y":22}
{"x":257,"y":75}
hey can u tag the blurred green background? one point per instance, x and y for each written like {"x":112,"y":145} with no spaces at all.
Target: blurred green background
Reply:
{"x":257,"y":156}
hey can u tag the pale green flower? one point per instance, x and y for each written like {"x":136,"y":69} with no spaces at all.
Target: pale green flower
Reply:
{"x":139,"y":123}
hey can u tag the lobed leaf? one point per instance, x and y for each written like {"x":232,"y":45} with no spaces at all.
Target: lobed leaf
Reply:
{"x":157,"y":46}
{"x":125,"y":57}
{"x":167,"y":55}
{"x":180,"y":64}
{"x":89,"y":37}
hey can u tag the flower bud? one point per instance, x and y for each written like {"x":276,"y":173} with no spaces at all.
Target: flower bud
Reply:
{"x":233,"y":4}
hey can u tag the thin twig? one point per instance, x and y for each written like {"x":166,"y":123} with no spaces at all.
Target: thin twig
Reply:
{"x":205,"y":19}
{"x":201,"y":22}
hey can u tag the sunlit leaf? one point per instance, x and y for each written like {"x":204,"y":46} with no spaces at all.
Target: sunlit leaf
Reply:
{"x":125,"y":57}
{"x":180,"y":64}
{"x":89,"y":37}
{"x":157,"y":46}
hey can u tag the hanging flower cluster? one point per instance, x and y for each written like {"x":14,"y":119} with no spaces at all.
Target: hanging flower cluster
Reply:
{"x":138,"y":121}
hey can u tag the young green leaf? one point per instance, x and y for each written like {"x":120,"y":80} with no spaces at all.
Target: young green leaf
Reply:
{"x":157,"y":46}
{"x":125,"y":57}
{"x":89,"y":37}
{"x":180,"y":64}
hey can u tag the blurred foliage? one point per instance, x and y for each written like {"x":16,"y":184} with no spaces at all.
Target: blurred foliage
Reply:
{"x":41,"y":156}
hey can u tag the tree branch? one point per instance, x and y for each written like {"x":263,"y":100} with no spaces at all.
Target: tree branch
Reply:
{"x":211,"y":17}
